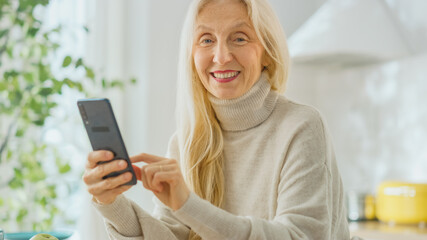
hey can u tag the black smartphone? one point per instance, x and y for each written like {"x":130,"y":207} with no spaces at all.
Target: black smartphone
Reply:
{"x":103,"y":131}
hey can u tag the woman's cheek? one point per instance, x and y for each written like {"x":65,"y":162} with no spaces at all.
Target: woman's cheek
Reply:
{"x":201,"y":61}
{"x":251,"y":59}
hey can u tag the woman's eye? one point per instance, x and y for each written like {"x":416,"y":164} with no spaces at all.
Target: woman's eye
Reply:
{"x":240,"y":40}
{"x":206,"y":41}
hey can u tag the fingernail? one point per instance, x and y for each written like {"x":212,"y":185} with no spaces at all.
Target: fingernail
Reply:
{"x":126,"y":176}
{"x":122,"y":163}
{"x":108,"y":154}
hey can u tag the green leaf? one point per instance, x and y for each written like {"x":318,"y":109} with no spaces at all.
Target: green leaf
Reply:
{"x":45,"y":91}
{"x":36,"y":174}
{"x":35,"y":105}
{"x":43,"y":2}
{"x":43,"y":201}
{"x":35,"y":226}
{"x":20,"y":22}
{"x":64,"y":168}
{"x":15,"y":82}
{"x":9,"y":154}
{"x":44,"y":50}
{"x":21,"y":214}
{"x":15,"y":183}
{"x":79,"y":86}
{"x":55,"y":46}
{"x":15,"y":97}
{"x":39,"y":122}
{"x":51,"y":105}
{"x":116,"y":83}
{"x":51,"y":192}
{"x":89,"y":73}
{"x":67,"y":61}
{"x":69,"y":82}
{"x":3,"y":85}
{"x":43,"y":72}
{"x":9,"y":50}
{"x":57,"y":86}
{"x":79,"y":62}
{"x":32,"y":31}
{"x":10,"y":74}
{"x":3,"y":32}
{"x":28,"y":76}
{"x":133,"y":80}
{"x":19,"y":133}
{"x":1,"y":202}
{"x":18,"y":173}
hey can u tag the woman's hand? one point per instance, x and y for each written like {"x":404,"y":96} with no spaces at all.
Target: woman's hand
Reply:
{"x":105,"y":191}
{"x":163,"y":177}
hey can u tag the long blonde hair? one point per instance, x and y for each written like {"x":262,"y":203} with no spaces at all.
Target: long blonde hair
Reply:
{"x":199,"y":133}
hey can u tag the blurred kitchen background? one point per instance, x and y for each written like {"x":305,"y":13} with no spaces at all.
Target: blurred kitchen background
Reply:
{"x":361,"y":63}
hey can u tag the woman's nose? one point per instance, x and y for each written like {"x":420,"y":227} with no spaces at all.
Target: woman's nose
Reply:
{"x":222,"y":54}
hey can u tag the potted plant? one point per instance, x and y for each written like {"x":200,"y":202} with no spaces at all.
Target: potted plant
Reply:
{"x":28,"y":95}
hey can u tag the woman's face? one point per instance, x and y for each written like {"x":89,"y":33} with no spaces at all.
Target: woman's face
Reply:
{"x":227,"y":54}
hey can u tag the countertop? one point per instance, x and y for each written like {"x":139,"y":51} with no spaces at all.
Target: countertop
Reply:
{"x":374,"y":230}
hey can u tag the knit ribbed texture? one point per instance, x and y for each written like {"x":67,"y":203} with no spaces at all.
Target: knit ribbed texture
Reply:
{"x":119,"y":212}
{"x":248,"y":110}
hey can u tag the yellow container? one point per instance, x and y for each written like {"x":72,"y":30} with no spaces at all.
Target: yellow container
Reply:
{"x":403,"y":203}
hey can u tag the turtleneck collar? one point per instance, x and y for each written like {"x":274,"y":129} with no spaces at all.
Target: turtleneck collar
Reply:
{"x":248,"y":110}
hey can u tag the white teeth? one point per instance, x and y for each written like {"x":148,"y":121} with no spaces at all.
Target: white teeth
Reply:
{"x":225,"y":75}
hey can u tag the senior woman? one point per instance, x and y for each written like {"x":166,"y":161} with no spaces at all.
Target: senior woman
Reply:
{"x":245,"y":162}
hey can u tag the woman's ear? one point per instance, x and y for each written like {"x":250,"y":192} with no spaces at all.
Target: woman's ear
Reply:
{"x":266,"y":60}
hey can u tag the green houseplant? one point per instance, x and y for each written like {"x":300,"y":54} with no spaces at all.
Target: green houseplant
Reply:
{"x":28,"y":93}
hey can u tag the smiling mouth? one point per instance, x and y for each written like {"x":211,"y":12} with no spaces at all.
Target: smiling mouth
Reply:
{"x":225,"y":76}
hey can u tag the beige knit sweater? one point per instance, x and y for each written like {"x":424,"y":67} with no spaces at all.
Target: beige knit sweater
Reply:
{"x":281,"y":177}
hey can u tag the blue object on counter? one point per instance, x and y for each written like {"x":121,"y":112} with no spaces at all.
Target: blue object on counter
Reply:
{"x":61,"y":235}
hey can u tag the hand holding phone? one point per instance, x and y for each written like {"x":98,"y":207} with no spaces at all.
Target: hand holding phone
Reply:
{"x":104,"y":134}
{"x":105,"y":191}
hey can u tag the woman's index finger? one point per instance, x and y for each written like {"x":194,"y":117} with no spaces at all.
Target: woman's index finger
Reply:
{"x":137,"y":171}
{"x":147,"y":158}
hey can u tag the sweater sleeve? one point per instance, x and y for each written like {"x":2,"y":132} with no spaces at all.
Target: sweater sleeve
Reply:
{"x":307,"y":194}
{"x":125,"y":220}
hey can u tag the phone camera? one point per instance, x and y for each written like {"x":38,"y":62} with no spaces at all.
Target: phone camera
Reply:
{"x":83,"y":112}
